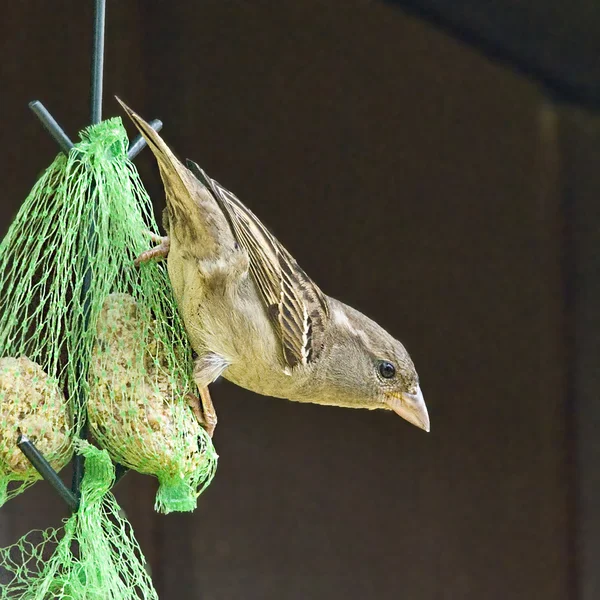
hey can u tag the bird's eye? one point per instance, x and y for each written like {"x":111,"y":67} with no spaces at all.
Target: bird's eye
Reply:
{"x":387,"y":369}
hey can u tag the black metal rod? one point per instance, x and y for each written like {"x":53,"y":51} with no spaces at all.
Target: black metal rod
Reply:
{"x":98,"y":61}
{"x":139,"y":143}
{"x":96,"y":117}
{"x":78,"y":460}
{"x":43,"y":467}
{"x":50,"y":124}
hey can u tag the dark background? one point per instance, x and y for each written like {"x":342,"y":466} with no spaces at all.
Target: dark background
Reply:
{"x":436,"y":190}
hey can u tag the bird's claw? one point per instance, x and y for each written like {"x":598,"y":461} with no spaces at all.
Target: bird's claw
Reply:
{"x":159,"y":252}
{"x":203,"y":410}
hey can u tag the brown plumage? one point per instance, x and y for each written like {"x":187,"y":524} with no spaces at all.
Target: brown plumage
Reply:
{"x":255,"y":317}
{"x":296,"y":306}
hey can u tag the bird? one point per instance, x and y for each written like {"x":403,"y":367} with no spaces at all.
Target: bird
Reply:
{"x":254,"y":317}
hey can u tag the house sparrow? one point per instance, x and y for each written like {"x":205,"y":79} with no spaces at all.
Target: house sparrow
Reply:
{"x":252,"y":314}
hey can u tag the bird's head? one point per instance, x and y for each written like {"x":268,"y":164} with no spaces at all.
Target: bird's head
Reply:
{"x":370,"y":369}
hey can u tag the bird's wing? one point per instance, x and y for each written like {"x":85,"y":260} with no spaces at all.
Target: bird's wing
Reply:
{"x":296,"y":306}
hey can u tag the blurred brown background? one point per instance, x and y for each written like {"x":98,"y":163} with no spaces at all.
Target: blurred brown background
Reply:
{"x":437,"y":191}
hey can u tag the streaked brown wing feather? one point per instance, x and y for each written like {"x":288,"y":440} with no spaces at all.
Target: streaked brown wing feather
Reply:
{"x":294,"y":303}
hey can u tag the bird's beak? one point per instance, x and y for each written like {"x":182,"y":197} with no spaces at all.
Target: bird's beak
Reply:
{"x":411,"y":407}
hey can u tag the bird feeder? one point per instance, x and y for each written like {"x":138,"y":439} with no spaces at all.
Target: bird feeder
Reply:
{"x":91,"y":346}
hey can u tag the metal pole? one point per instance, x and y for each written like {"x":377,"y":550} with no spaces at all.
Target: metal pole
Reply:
{"x":98,"y":61}
{"x":96,"y":117}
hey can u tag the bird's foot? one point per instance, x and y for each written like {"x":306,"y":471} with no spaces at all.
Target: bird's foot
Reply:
{"x":159,"y":252}
{"x":204,"y":410}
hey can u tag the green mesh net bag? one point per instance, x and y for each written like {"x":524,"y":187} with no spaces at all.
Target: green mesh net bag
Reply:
{"x":94,"y":556}
{"x":67,"y":279}
{"x":133,"y":406}
{"x":31,"y":402}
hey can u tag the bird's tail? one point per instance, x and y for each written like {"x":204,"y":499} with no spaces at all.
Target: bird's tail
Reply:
{"x":193,"y":214}
{"x":166,"y":159}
